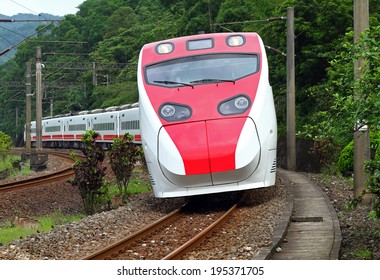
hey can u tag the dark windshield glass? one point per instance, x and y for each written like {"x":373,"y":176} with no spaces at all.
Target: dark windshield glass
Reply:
{"x":205,"y":68}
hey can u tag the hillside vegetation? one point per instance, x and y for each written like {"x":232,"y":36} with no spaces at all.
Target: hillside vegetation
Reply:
{"x":90,"y":58}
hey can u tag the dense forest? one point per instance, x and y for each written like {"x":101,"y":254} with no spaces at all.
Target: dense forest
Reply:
{"x":90,"y":58}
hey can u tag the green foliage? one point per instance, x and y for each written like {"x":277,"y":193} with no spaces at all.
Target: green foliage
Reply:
{"x":346,"y":159}
{"x":5,"y":145}
{"x":363,"y":254}
{"x":373,"y":184}
{"x":9,"y":232}
{"x":123,"y":156}
{"x":89,"y":172}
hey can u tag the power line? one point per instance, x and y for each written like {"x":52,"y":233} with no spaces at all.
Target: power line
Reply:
{"x":28,"y":20}
{"x":34,"y":12}
{"x":11,"y":47}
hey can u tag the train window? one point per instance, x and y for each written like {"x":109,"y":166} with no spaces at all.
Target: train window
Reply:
{"x":194,"y":70}
{"x":55,"y":128}
{"x":104,"y":126}
{"x":200,"y":44}
{"x":130,"y":125}
{"x":77,"y":127}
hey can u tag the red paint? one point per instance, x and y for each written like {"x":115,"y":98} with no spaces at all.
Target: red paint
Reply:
{"x":68,"y":136}
{"x":207,"y":141}
{"x":109,"y":136}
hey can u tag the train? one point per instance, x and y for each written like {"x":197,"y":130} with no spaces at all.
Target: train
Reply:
{"x":66,"y":131}
{"x":207,"y":115}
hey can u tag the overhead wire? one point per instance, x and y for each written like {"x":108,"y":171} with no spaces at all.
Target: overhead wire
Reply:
{"x":34,"y":12}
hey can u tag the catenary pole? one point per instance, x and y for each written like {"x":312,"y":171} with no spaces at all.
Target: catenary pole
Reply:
{"x":290,"y":100}
{"x":38,"y":100}
{"x":28,"y":107}
{"x":361,"y":133}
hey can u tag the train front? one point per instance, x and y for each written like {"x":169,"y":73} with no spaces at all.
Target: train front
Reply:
{"x":207,"y":115}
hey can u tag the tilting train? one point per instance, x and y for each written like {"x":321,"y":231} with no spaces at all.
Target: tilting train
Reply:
{"x":205,"y":111}
{"x":66,"y":131}
{"x":207,"y":115}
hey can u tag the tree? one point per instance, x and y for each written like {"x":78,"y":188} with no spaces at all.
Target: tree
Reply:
{"x":123,"y":157}
{"x":89,"y":172}
{"x":5,"y":145}
{"x":346,"y":110}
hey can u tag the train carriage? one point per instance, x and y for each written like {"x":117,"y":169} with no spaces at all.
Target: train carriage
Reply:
{"x":52,"y":131}
{"x":207,"y":114}
{"x":66,"y":131}
{"x":74,"y":127}
{"x":107,"y":125}
{"x":129,"y":123}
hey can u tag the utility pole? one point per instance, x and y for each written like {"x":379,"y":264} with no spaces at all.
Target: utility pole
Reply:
{"x":94,"y":77}
{"x":38,"y":100}
{"x":28,"y":84}
{"x":361,"y":133}
{"x":290,"y":100}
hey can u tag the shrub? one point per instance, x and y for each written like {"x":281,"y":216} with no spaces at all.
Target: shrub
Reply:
{"x":346,"y":157}
{"x":89,"y":172}
{"x":123,"y":156}
{"x":5,"y":145}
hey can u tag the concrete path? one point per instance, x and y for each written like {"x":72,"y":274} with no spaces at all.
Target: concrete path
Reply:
{"x":309,"y":227}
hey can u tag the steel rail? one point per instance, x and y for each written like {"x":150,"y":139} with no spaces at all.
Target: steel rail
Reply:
{"x":42,"y":179}
{"x":199,"y":238}
{"x":121,"y":244}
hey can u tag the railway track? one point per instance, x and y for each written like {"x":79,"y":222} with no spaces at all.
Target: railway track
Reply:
{"x":42,"y":179}
{"x":164,"y":239}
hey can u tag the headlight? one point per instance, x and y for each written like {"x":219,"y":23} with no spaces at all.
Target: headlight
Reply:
{"x":235,"y":41}
{"x":236,"y":105}
{"x":174,"y":112}
{"x":164,"y":48}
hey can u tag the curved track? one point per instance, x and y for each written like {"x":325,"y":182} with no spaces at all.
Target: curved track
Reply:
{"x":164,"y":239}
{"x":43,"y":179}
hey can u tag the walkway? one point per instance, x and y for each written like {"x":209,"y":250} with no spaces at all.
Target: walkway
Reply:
{"x":309,"y":227}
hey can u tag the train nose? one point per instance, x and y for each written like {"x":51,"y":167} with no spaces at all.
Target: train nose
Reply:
{"x":209,"y":150}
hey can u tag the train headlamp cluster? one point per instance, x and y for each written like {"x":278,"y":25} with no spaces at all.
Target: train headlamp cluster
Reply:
{"x":236,"y":105}
{"x":174,"y":112}
{"x":164,"y":48}
{"x":200,"y":44}
{"x":235,"y":41}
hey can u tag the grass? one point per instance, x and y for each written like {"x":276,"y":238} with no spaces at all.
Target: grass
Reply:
{"x":8,"y":232}
{"x":138,"y":186}
{"x":7,"y":164}
{"x":363,"y":254}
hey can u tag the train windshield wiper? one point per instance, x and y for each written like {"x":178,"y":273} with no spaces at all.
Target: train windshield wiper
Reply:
{"x":173,"y":83}
{"x":212,"y":81}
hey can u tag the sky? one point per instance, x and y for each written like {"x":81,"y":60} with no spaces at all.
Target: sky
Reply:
{"x":54,"y":7}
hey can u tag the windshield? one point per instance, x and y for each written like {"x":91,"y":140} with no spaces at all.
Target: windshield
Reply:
{"x":192,"y":70}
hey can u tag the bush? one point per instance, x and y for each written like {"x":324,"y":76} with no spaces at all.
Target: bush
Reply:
{"x":89,"y":172}
{"x":123,"y":156}
{"x":5,"y":145}
{"x":346,"y":157}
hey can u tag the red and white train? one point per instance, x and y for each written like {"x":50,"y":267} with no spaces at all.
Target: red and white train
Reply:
{"x":67,"y":131}
{"x":207,"y":115}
